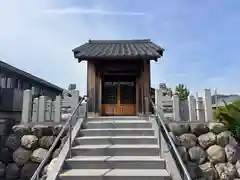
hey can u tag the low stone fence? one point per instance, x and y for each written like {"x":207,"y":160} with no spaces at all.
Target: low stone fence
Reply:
{"x":209,"y":151}
{"x":44,"y":109}
{"x":26,"y":147}
{"x":195,"y":108}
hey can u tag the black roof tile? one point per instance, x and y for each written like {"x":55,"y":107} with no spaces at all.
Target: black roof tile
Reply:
{"x":29,"y":76}
{"x":99,"y":49}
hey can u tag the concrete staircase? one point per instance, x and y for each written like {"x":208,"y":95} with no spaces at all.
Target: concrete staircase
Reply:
{"x":115,"y":148}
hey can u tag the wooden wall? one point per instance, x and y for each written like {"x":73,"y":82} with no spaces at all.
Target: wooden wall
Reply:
{"x":98,"y":89}
{"x":143,"y":88}
{"x":91,"y":82}
{"x":93,"y":88}
{"x":146,"y":85}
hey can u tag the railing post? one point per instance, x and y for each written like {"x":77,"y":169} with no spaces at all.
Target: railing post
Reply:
{"x":207,"y":102}
{"x":27,"y":106}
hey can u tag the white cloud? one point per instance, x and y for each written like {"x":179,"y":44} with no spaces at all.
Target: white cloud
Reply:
{"x":92,"y":11}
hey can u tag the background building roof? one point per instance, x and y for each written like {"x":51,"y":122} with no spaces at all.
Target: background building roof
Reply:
{"x":28,"y":76}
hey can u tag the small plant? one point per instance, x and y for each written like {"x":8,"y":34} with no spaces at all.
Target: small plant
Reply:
{"x":182,"y":91}
{"x":229,"y":114}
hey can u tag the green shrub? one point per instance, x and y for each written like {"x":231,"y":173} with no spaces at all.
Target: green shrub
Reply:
{"x":230,"y":116}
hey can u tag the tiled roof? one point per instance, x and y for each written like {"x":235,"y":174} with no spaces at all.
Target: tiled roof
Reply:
{"x":99,"y":49}
{"x":29,"y":76}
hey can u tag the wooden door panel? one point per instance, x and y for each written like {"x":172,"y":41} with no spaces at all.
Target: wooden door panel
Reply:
{"x":118,"y":109}
{"x":108,"y":109}
{"x":119,"y":99}
{"x":126,"y":109}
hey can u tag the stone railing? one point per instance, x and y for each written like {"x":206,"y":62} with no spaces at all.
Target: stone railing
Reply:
{"x":209,"y":150}
{"x":193,"y":109}
{"x":43,"y":109}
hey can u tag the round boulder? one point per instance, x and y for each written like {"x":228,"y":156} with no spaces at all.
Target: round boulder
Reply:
{"x":216,"y":154}
{"x":46,"y":141}
{"x":197,"y":154}
{"x":206,"y":140}
{"x":232,"y":153}
{"x":188,"y":140}
{"x":12,"y":171}
{"x":193,"y":169}
{"x":39,"y":155}
{"x":21,"y":156}
{"x":217,"y":127}
{"x":57,"y":129}
{"x":178,"y":129}
{"x":6,"y":155}
{"x":29,"y":141}
{"x":13,"y":142}
{"x":208,"y":171}
{"x":28,"y":170}
{"x":183,"y":153}
{"x":226,"y":171}
{"x":21,"y":130}
{"x":226,"y":137}
{"x":41,"y":130}
{"x":199,"y":129}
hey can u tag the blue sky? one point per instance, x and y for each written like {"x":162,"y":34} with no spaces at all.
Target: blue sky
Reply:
{"x":201,"y":38}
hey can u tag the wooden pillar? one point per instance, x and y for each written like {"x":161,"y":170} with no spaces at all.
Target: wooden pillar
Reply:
{"x":98,"y":93}
{"x":146,"y":85}
{"x":91,"y":85}
{"x":141,"y":91}
{"x":139,"y":95}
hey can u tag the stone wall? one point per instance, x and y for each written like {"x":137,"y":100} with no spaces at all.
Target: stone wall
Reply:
{"x":26,"y":147}
{"x":209,"y":151}
{"x":5,"y":129}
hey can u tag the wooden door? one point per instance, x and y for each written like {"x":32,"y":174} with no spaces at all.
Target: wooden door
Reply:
{"x":109,"y":98}
{"x":126,"y":99}
{"x":119,"y":99}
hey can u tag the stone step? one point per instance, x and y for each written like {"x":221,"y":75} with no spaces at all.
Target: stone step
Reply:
{"x":120,"y":118}
{"x":106,"y":124}
{"x":91,"y":140}
{"x":117,"y":132}
{"x":115,"y":162}
{"x":115,"y":174}
{"x":115,"y":150}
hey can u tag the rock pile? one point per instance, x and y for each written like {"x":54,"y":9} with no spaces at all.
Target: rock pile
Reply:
{"x":210,"y":152}
{"x":25,"y":148}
